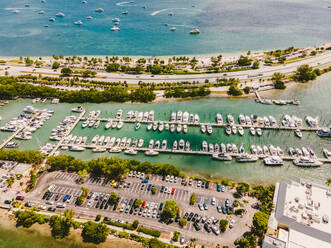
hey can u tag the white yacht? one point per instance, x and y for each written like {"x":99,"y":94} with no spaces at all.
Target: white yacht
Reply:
{"x":273,"y":161}
{"x":219,"y":118}
{"x":228,"y":130}
{"x":185,"y":128}
{"x":78,"y":109}
{"x":241,"y":130}
{"x":116,"y":19}
{"x":151,"y":153}
{"x":151,"y":144}
{"x":172,"y":128}
{"x":175,"y":145}
{"x":307,"y":162}
{"x":60,"y":14}
{"x":203,"y":128}
{"x":234,"y":130}
{"x":252,"y":131}
{"x":125,"y":12}
{"x":115,"y":28}
{"x":195,"y":31}
{"x":196,"y":118}
{"x":77,"y":148}
{"x":161,"y":126}
{"x":179,"y":128}
{"x":99,"y":149}
{"x":246,"y":158}
{"x":140,"y":143}
{"x":259,"y":131}
{"x":222,"y":157}
{"x":164,"y":145}
{"x":131,"y":152}
{"x":173,"y":117}
{"x":230,"y":119}
{"x":187,"y":146}
{"x":89,"y":17}
{"x":324,"y":132}
{"x":209,"y":128}
{"x":108,"y":124}
{"x":41,"y":12}
{"x":99,"y":10}
{"x":79,"y":22}
{"x":179,"y":116}
{"x":185,"y":117}
{"x":120,"y":124}
{"x":157,"y":144}
{"x":204,"y":146}
{"x":149,"y":126}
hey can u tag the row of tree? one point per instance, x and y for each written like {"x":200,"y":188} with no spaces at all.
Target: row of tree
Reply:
{"x":10,"y":88}
{"x":109,"y":167}
{"x":27,"y":156}
{"x":179,"y":92}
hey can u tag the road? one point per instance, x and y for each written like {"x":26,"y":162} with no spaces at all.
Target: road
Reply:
{"x":319,"y":61}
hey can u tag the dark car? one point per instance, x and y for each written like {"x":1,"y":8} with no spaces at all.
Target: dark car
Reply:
{"x":196,"y":226}
{"x":161,"y":206}
{"x":162,"y":189}
{"x":190,"y":216}
{"x":163,"y":177}
{"x":7,"y":201}
{"x":195,"y":217}
{"x":207,"y":185}
{"x":186,"y":215}
{"x":149,"y":187}
{"x":142,"y":187}
{"x":107,"y":219}
{"x":57,"y":197}
{"x":51,"y":209}
{"x":207,"y":228}
{"x":183,"y":181}
{"x":45,"y":195}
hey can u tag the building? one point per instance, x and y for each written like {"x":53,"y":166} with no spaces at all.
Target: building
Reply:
{"x":301,"y":216}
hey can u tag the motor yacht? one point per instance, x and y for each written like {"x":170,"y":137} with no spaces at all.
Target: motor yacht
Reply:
{"x":221,"y":157}
{"x":219,"y":118}
{"x":181,"y":144}
{"x":131,"y":152}
{"x":228,"y":130}
{"x":252,"y":131}
{"x":179,"y":116}
{"x":175,"y":145}
{"x":166,"y":126}
{"x":259,"y":131}
{"x":99,"y":149}
{"x":204,"y":146}
{"x":164,"y":145}
{"x":157,"y":144}
{"x":326,"y":153}
{"x":149,"y":126}
{"x":234,"y":130}
{"x":211,"y":148}
{"x":172,"y":128}
{"x":96,"y":124}
{"x":115,"y":28}
{"x":246,"y":158}
{"x":79,"y":22}
{"x":76,"y":148}
{"x":151,"y":144}
{"x":151,"y":153}
{"x":307,"y":162}
{"x":161,"y":126}
{"x":60,"y":14}
{"x":140,"y":143}
{"x":120,"y":124}
{"x":138,"y":125}
{"x":273,"y":161}
{"x":99,"y":10}
{"x":108,"y":124}
{"x":324,"y":132}
{"x":203,"y":129}
{"x":179,"y":128}
{"x":78,"y":109}
{"x":241,"y":131}
{"x":195,"y":31}
{"x":185,"y":128}
{"x":173,"y":117}
{"x":209,"y":128}
{"x":187,"y":146}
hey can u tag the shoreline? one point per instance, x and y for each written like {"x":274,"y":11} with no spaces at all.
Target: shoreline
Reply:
{"x":201,"y":56}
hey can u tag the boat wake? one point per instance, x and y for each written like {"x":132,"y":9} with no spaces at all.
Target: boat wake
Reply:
{"x":163,"y":10}
{"x":24,"y":33}
{"x":123,"y":4}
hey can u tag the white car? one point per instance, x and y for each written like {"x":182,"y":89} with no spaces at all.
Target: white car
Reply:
{"x":49,"y":202}
{"x":42,"y":207}
{"x":213,"y":201}
{"x":199,"y":183}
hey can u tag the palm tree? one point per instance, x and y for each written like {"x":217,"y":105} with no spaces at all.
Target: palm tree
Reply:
{"x":277,"y":77}
{"x":328,"y":181}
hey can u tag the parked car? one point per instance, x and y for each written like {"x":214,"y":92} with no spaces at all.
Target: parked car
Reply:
{"x":51,"y":209}
{"x":196,"y":226}
{"x":207,"y":228}
{"x":20,"y":198}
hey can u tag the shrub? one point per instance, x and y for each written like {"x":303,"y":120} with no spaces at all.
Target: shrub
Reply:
{"x":223,"y":225}
{"x":193,"y":199}
{"x":152,"y":232}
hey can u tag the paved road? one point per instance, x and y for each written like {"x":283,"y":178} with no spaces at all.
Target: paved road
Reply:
{"x":321,"y":60}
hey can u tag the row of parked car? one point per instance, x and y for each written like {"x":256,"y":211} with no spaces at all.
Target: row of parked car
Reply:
{"x":209,"y":223}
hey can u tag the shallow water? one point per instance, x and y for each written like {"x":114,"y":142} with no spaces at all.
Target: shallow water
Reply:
{"x":226,"y":26}
{"x":315,"y":101}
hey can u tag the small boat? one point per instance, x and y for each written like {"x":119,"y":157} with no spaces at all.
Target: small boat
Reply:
{"x":60,"y":14}
{"x":298,"y":133}
{"x":241,"y":130}
{"x":131,"y":152}
{"x":175,"y":145}
{"x":246,"y":158}
{"x":89,"y":17}
{"x":164,"y":145}
{"x":149,"y":126}
{"x":273,"y":161}
{"x":252,"y":131}
{"x":108,"y":124}
{"x":76,"y":149}
{"x":219,"y":118}
{"x":151,"y":153}
{"x":151,"y":144}
{"x":125,"y":12}
{"x":78,"y":109}
{"x":172,"y":128}
{"x":179,"y":128}
{"x":234,"y":130}
{"x":204,"y":146}
{"x":326,"y":153}
{"x":120,"y":124}
{"x":195,"y":31}
{"x":209,"y":128}
{"x":99,"y":149}
{"x":96,"y":124}
{"x":157,"y":144}
{"x":211,"y":148}
{"x":99,"y":10}
{"x":12,"y":145}
{"x":140,"y":143}
{"x":228,"y":130}
{"x":115,"y":149}
{"x":187,"y":146}
{"x":115,"y":28}
{"x":185,"y":128}
{"x":203,"y":128}
{"x":114,"y":124}
{"x":259,"y":131}
{"x":79,"y":22}
{"x":155,"y":125}
{"x":181,"y":145}
{"x":138,"y":125}
{"x":51,"y":19}
{"x":166,"y":126}
{"x":221,"y":157}
{"x":161,"y":126}
{"x":16,"y":11}
{"x":116,"y":20}
{"x":307,"y":162}
{"x":41,"y":12}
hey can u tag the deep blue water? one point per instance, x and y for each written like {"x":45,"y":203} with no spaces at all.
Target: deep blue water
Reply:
{"x":226,"y":26}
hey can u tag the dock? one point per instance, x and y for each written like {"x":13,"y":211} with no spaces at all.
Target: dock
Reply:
{"x":18,"y":130}
{"x":189,"y":152}
{"x":274,"y":127}
{"x":259,"y":99}
{"x":66,"y":134}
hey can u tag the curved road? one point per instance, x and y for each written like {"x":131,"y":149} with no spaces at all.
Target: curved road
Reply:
{"x":319,"y":61}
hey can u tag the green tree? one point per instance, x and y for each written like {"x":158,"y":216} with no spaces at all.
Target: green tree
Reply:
{"x":260,"y":223}
{"x":234,"y":91}
{"x":182,"y":222}
{"x":56,"y":65}
{"x":113,"y":198}
{"x":281,"y":60}
{"x":247,"y":89}
{"x":193,"y":199}
{"x":256,"y":65}
{"x":138,"y":203}
{"x":278,"y":80}
{"x":175,"y":236}
{"x":304,"y":74}
{"x":66,"y":71}
{"x":95,"y":232}
{"x":135,"y":224}
{"x":113,"y":67}
{"x":170,"y":210}
{"x":60,"y":226}
{"x":156,"y":69}
{"x":242,"y":188}
{"x":155,"y":243}
{"x":244,"y":61}
{"x":223,"y":225}
{"x":328,"y":181}
{"x":98,"y":217}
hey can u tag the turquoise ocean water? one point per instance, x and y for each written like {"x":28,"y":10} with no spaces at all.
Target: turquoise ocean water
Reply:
{"x":226,"y":26}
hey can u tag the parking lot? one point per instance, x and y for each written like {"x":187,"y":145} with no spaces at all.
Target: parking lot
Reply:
{"x":66,"y":187}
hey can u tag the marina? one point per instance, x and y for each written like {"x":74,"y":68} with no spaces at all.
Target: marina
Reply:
{"x":204,"y":111}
